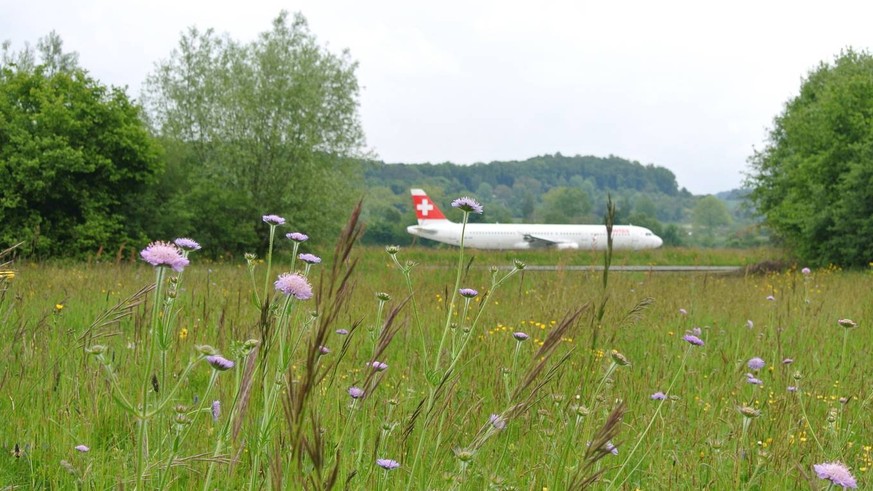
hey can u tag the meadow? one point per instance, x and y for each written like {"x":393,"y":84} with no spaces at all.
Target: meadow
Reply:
{"x":388,"y":377}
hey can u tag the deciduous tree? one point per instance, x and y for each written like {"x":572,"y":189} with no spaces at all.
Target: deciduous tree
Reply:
{"x":269,"y":126}
{"x":813,"y":181}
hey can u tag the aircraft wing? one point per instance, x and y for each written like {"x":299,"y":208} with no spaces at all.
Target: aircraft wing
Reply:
{"x":540,"y":241}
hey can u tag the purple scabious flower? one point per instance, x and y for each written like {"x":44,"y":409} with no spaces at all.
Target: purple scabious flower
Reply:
{"x":309,"y":258}
{"x":82,"y":448}
{"x":693,"y":339}
{"x":847,"y":323}
{"x":683,"y":311}
{"x":294,"y":285}
{"x":756,"y":363}
{"x":187,"y":244}
{"x":788,"y":361}
{"x":379,"y":366}
{"x":342,"y":332}
{"x":805,"y":271}
{"x":468,"y":292}
{"x":520,"y":336}
{"x":273,"y":219}
{"x":219,"y":362}
{"x":216,"y":410}
{"x":771,"y":298}
{"x":792,"y":388}
{"x":387,"y":464}
{"x":468,"y":205}
{"x":323,"y":350}
{"x":161,"y":253}
{"x":658,"y":396}
{"x":753,"y":380}
{"x":837,"y":473}
{"x":356,"y":392}
{"x":497,"y":422}
{"x":297,"y":237}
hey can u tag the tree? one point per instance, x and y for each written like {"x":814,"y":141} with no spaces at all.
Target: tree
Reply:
{"x":708,"y":215}
{"x":813,"y":181}
{"x":75,"y":157}
{"x":268,"y":126}
{"x":564,"y":205}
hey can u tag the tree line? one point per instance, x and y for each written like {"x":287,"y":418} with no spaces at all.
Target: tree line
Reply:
{"x":225,"y":132}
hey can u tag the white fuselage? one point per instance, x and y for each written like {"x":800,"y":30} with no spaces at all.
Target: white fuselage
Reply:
{"x":531,"y":236}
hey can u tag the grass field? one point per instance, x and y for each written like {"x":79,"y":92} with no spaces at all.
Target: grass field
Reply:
{"x":486,"y":411}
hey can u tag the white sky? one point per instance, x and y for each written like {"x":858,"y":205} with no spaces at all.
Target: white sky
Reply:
{"x":688,"y":85}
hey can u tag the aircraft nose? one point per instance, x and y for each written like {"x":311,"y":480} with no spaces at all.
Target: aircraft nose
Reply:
{"x":658,"y":242}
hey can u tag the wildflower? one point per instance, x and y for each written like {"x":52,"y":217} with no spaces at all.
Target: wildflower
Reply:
{"x":216,"y":410}
{"x":387,"y":464}
{"x":468,"y":292}
{"x":806,"y":271}
{"x":683,"y":311}
{"x":309,"y":258}
{"x":467,"y":205}
{"x":164,"y":254}
{"x":323,"y":350}
{"x":463,"y":454}
{"x":771,"y":298}
{"x":693,"y":339}
{"x":750,"y":324}
{"x":837,"y":473}
{"x":619,"y":358}
{"x":392,"y":250}
{"x":379,"y":366}
{"x":520,"y":336}
{"x":518,"y":264}
{"x":356,"y":392}
{"x":695,"y":331}
{"x":383,"y":297}
{"x":59,"y":307}
{"x":183,"y":333}
{"x":847,"y":323}
{"x":658,"y":396}
{"x":294,"y":285}
{"x":756,"y":363}
{"x":187,"y":244}
{"x":607,"y":447}
{"x":342,"y":332}
{"x":497,"y":422}
{"x":792,"y":388}
{"x":749,"y":412}
{"x":297,"y":237}
{"x":82,"y":448}
{"x":97,"y":349}
{"x":788,"y":361}
{"x":205,"y":349}
{"x":273,"y":219}
{"x":753,"y":380}
{"x":219,"y":362}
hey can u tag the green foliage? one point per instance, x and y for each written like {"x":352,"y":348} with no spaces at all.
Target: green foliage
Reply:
{"x":814,"y":179}
{"x":565,"y":205}
{"x":75,"y":160}
{"x":260,"y":127}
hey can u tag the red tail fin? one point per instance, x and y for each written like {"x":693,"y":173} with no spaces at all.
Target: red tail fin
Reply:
{"x":425,"y":208}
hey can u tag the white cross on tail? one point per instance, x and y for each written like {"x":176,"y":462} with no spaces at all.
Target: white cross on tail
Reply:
{"x":424,"y":207}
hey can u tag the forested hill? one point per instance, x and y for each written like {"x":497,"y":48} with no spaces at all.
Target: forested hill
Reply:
{"x":549,"y":189}
{"x":610,"y":173}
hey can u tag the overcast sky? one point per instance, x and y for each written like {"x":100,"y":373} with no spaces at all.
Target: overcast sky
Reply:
{"x":691,"y":86}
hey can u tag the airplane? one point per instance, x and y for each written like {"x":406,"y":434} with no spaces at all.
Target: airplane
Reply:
{"x":433,"y":225}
